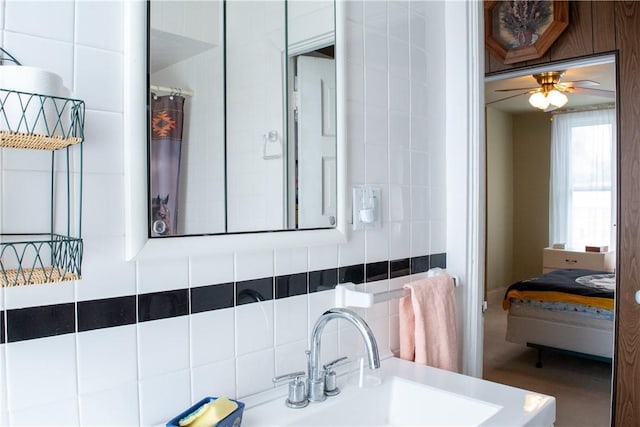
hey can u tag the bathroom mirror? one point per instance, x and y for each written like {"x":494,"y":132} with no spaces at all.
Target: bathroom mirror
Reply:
{"x":242,"y":107}
{"x":234,"y":123}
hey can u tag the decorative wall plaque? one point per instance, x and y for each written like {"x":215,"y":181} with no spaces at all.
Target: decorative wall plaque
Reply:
{"x":520,"y":30}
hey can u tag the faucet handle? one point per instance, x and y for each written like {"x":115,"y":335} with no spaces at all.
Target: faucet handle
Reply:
{"x":297,"y":391}
{"x":339,"y":361}
{"x":289,"y":376}
{"x":330,"y":387}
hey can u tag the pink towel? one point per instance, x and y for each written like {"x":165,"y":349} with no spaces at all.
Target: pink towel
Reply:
{"x":428,"y":333}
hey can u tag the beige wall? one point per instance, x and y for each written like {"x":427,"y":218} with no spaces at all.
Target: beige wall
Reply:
{"x":499,"y":242}
{"x":531,"y":162}
{"x":518,"y":149}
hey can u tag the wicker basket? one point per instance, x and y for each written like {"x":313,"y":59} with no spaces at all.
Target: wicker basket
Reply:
{"x":10,"y":139}
{"x":27,"y":259}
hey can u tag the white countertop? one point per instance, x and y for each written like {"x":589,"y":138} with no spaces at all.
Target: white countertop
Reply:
{"x":516,"y":407}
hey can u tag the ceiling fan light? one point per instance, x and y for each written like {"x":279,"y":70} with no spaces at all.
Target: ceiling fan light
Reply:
{"x":538,"y":100}
{"x":557,"y":98}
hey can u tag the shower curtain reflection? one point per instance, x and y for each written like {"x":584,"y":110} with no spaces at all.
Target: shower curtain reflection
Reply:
{"x":167,"y":115}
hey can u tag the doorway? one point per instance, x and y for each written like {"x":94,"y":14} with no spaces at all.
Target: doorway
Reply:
{"x":517,"y":230}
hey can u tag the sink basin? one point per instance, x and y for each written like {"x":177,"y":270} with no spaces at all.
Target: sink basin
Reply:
{"x":400,"y":402}
{"x":409,"y":395}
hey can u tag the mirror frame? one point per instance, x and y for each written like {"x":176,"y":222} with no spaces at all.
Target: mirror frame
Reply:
{"x":137,"y":243}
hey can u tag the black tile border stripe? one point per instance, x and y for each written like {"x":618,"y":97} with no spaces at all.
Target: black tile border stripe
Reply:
{"x":438,"y":260}
{"x":322,"y":280}
{"x":399,"y":268}
{"x":256,"y":290}
{"x":212,"y":297}
{"x":40,"y":322}
{"x":420,"y":264}
{"x":292,"y":285}
{"x":163,"y":305}
{"x":351,"y":273}
{"x":376,"y":271}
{"x":106,"y":313}
{"x":59,"y":319}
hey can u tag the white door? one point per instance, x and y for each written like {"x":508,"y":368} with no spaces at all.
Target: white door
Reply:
{"x":316,"y":131}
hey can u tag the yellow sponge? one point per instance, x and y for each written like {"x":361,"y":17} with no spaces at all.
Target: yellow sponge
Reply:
{"x":195,"y":414}
{"x":210,"y":413}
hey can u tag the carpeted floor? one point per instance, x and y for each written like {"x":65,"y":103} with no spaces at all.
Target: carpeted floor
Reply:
{"x":582,"y":387}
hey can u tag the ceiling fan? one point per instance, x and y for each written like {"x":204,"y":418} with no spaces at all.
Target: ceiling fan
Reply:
{"x":550,"y":93}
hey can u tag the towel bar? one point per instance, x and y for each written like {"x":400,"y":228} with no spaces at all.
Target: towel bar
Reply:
{"x":347,"y":295}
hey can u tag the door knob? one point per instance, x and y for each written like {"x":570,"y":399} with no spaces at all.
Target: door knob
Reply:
{"x":638,"y":297}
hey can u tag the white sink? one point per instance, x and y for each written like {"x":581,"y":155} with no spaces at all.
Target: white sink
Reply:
{"x":409,"y":395}
{"x":400,"y":402}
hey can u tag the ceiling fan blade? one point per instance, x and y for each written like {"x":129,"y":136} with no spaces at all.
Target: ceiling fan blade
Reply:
{"x":512,"y":96}
{"x":518,"y":88}
{"x":593,"y":92}
{"x":579,"y":83}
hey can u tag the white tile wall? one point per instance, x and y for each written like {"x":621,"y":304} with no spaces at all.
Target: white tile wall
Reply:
{"x":117,"y":406}
{"x":254,"y":327}
{"x":377,"y":162}
{"x":377,"y":242}
{"x":253,"y":265}
{"x":291,"y":316}
{"x":291,"y":357}
{"x":96,"y":18}
{"x":103,"y":156}
{"x":399,"y":240}
{"x":29,"y":296}
{"x":352,"y":252}
{"x":323,"y":257}
{"x":46,"y":365}
{"x":399,"y":91}
{"x":215,"y":379}
{"x":162,"y":275}
{"x":103,"y":273}
{"x":254,"y":372}
{"x":14,"y":159}
{"x":99,"y":78}
{"x":202,"y":273}
{"x":106,"y":358}
{"x":4,"y":411}
{"x":212,"y":337}
{"x":52,"y":20}
{"x":161,"y":395}
{"x":291,"y":261}
{"x":54,"y":55}
{"x":375,"y":85}
{"x":163,"y":346}
{"x":37,"y":207}
{"x":147,"y":373}
{"x":399,"y":166}
{"x":101,"y":197}
{"x":375,"y":15}
{"x":59,"y":413}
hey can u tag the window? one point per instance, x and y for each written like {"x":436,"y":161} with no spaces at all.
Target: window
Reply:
{"x":582,"y":185}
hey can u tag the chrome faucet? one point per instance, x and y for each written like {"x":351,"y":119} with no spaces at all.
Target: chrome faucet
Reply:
{"x":316,"y":380}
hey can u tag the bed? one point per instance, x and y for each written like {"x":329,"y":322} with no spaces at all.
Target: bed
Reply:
{"x":570,"y":310}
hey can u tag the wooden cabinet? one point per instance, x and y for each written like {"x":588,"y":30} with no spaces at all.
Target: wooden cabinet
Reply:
{"x":555,"y":259}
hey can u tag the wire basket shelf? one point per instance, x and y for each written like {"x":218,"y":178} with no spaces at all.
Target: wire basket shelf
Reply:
{"x":27,"y":259}
{"x":41,"y":122}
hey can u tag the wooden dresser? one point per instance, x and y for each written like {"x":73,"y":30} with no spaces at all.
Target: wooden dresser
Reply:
{"x":555,"y":259}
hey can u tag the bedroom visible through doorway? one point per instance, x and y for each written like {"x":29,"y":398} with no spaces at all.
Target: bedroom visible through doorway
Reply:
{"x":531,"y":230}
